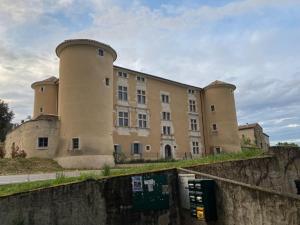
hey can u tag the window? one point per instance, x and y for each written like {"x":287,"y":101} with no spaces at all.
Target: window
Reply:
{"x":218,"y":150}
{"x":148,"y":147}
{"x":140,"y":79}
{"x":142,"y":120}
{"x":195,"y":145}
{"x":192,"y":105}
{"x":214,"y":127}
{"x":166,"y":115}
{"x":166,"y":130}
{"x":136,"y":148}
{"x":41,"y":109}
{"x":117,"y":149}
{"x":122,"y":74}
{"x":107,"y":81}
{"x":75,"y":143}
{"x":141,"y":96}
{"x":194,"y":125}
{"x":165,"y":98}
{"x":42,"y":142}
{"x":100,"y":52}
{"x":42,"y":89}
{"x":212,"y":108}
{"x":123,"y":119}
{"x":122,"y":93}
{"x":191,"y":91}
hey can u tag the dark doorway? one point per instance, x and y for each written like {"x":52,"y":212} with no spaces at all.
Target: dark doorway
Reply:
{"x":168,"y":152}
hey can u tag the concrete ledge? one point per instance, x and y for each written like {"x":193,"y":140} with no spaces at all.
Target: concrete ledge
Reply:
{"x":85,"y":161}
{"x":253,"y":187}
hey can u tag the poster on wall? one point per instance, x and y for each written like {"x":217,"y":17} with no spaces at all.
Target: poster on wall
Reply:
{"x":137,"y":183}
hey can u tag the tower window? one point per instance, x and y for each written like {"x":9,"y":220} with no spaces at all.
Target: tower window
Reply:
{"x":100,"y":52}
{"x":212,"y":108}
{"x":41,"y":109}
{"x":42,"y":89}
{"x":148,"y":147}
{"x":107,"y":81}
{"x":191,"y":91}
{"x":214,"y":126}
{"x":75,"y":143}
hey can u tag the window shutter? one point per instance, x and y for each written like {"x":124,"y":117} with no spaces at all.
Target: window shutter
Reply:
{"x":132,"y":148}
{"x":141,"y":148}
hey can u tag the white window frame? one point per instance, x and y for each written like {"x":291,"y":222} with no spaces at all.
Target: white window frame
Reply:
{"x":142,"y":120}
{"x":140,"y":78}
{"x":195,"y":147}
{"x":194,"y":124}
{"x":124,"y":117}
{"x":212,"y":108}
{"x":123,"y":74}
{"x":192,"y":106}
{"x":166,"y":116}
{"x":122,"y":93}
{"x":166,"y":130}
{"x":165,"y":98}
{"x":141,"y":96}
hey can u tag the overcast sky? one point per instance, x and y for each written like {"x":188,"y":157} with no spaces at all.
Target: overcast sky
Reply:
{"x":254,"y":44}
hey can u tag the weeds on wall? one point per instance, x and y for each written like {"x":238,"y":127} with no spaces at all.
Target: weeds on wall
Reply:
{"x":2,"y":152}
{"x":105,"y":170}
{"x":16,"y":152}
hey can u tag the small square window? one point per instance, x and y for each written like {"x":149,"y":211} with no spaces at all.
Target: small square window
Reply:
{"x":41,"y":109}
{"x":42,"y":89}
{"x":214,"y":126}
{"x":107,"y":81}
{"x":75,"y":143}
{"x":100,"y":52}
{"x":212,"y":108}
{"x":42,"y":142}
{"x":148,"y":147}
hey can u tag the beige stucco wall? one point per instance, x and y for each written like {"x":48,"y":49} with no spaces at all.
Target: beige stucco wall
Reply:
{"x":256,"y":136}
{"x":178,"y":107}
{"x":85,"y":102}
{"x":46,"y":99}
{"x":26,"y":138}
{"x":224,"y":116}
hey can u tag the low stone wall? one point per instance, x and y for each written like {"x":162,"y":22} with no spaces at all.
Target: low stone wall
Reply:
{"x":276,"y":171}
{"x":102,"y":202}
{"x":243,"y":204}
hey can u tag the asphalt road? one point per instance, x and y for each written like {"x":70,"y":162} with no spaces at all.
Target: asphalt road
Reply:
{"x":11,"y":179}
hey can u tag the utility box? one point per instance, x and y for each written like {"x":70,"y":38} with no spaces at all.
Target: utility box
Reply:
{"x":150,"y":192}
{"x":184,"y":189}
{"x":202,"y":199}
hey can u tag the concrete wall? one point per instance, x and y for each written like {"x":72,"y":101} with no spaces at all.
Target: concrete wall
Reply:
{"x":243,"y":204}
{"x":103,"y":202}
{"x":26,"y":137}
{"x":277,"y":172}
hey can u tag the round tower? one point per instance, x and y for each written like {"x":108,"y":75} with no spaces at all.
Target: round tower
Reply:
{"x":85,"y":104}
{"x":45,"y":97}
{"x":221,"y":119}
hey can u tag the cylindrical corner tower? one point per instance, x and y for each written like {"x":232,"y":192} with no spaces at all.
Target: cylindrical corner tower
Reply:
{"x":221,"y":119}
{"x":85,"y":104}
{"x":45,"y":97}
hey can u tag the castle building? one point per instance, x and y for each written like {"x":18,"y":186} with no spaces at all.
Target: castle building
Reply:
{"x":96,"y":112}
{"x":252,"y":135}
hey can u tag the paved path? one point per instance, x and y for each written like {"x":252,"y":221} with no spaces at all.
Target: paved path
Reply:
{"x":10,"y":179}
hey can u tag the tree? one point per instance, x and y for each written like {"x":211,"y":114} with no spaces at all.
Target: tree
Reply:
{"x":6,"y":115}
{"x":286,"y":144}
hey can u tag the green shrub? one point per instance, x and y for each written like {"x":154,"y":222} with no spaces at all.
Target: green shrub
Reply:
{"x":106,"y":170}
